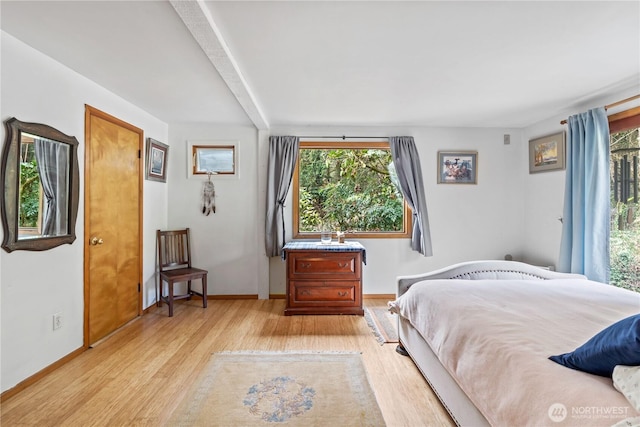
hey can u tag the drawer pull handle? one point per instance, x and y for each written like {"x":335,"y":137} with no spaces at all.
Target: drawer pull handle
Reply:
{"x":305,"y":292}
{"x":343,"y":294}
{"x":305,"y":265}
{"x":344,"y":264}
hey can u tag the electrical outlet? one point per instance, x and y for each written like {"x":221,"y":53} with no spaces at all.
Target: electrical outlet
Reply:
{"x":57,"y":321}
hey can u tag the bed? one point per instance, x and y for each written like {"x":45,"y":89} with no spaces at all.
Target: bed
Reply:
{"x":481,"y":333}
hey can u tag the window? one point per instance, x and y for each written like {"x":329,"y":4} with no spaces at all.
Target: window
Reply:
{"x":348,"y":187}
{"x":30,"y":207}
{"x":625,"y":213}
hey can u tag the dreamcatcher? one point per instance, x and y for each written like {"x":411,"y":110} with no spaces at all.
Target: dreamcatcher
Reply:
{"x":208,"y":196}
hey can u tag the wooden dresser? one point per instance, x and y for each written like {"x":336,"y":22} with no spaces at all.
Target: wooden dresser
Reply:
{"x":324,"y":279}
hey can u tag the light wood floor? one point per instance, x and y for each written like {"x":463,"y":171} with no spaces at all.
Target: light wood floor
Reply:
{"x":137,"y":376}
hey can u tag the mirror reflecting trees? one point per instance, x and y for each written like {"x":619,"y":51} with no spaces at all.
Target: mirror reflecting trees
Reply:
{"x":40,"y":186}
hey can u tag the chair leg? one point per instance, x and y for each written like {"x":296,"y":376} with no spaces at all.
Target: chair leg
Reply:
{"x":159,"y":294}
{"x":170,"y":302}
{"x":189,"y":290}
{"x":204,"y":291}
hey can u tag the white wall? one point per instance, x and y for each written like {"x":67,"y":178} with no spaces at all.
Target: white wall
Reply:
{"x":468,"y":222}
{"x":225,"y":243}
{"x":35,"y":285}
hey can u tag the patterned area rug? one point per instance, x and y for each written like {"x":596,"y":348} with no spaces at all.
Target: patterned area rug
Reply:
{"x":273,"y":388}
{"x":383,"y":323}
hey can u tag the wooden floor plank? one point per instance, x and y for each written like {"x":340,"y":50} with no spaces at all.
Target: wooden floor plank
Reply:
{"x":137,"y":376}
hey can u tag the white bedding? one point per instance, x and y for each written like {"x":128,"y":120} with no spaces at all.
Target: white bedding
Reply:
{"x":495,"y":336}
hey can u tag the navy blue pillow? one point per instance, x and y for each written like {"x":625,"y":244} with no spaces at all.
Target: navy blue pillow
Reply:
{"x":619,"y":344}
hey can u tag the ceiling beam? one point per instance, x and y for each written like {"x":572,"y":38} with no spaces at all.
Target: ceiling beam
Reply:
{"x":197,"y":17}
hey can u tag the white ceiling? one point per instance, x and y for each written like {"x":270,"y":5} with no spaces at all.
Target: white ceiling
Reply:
{"x":339,"y":63}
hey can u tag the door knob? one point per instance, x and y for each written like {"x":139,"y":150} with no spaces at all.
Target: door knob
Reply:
{"x":96,"y":241}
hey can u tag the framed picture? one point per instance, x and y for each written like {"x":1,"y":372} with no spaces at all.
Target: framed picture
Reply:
{"x":457,"y":167}
{"x":217,"y":159}
{"x":156,"y":161}
{"x":547,"y":153}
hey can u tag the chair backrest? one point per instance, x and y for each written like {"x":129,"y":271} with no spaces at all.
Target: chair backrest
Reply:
{"x":174,"y":250}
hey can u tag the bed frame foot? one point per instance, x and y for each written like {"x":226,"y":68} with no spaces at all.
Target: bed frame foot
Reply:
{"x":400,"y":350}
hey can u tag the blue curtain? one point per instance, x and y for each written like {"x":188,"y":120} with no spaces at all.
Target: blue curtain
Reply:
{"x":584,"y":247}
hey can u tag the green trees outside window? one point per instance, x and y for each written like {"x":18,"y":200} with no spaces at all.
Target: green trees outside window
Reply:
{"x":347,"y":187}
{"x":29,"y":189}
{"x":625,"y":212}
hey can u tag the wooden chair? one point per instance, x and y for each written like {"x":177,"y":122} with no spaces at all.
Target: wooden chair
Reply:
{"x":174,"y":260}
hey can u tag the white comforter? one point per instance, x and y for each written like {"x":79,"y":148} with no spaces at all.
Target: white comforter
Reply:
{"x":495,"y":336}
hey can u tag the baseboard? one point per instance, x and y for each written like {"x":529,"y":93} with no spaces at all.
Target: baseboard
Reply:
{"x":389,"y":297}
{"x":227,"y":297}
{"x":40,"y":374}
{"x":209,"y":297}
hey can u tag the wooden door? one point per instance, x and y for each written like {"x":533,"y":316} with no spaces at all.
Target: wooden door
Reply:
{"x":113,"y":224}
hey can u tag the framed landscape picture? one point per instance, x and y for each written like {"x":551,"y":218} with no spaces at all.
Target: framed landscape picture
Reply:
{"x":457,"y":167}
{"x":547,"y":153}
{"x":156,"y":161}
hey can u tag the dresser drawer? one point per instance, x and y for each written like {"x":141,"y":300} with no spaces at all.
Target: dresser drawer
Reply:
{"x":320,"y":265}
{"x":306,"y":293}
